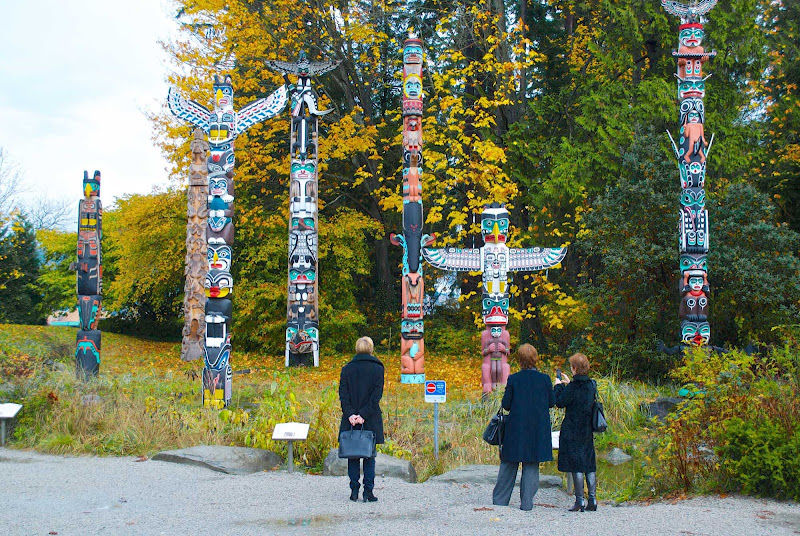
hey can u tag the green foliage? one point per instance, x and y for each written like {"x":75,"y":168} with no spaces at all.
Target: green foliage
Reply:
{"x":19,"y":297}
{"x":760,"y":458}
{"x":143,"y":257}
{"x":742,"y":434}
{"x":56,"y":281}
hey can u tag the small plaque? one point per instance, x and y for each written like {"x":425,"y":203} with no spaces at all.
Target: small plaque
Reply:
{"x":9,"y":411}
{"x":554,"y":437}
{"x":290,"y":431}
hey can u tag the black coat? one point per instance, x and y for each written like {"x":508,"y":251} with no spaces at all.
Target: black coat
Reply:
{"x":360,"y":392}
{"x":576,"y":442}
{"x":526,"y":438}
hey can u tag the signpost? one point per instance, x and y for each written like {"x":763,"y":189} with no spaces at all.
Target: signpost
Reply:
{"x":435,"y":392}
{"x":7,"y":411}
{"x":291,"y":432}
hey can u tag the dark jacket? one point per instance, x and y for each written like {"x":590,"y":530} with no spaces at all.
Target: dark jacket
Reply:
{"x":360,"y":392}
{"x":576,"y":442}
{"x":526,"y":438}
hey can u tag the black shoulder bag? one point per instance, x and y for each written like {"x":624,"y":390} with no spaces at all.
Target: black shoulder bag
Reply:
{"x":494,"y":430}
{"x":599,"y":423}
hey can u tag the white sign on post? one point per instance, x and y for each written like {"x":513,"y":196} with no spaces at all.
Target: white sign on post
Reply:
{"x":290,"y":431}
{"x":435,"y":391}
{"x":9,"y":411}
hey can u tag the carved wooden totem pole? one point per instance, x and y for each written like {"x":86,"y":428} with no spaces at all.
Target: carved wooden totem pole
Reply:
{"x":222,"y":125}
{"x":302,"y":326}
{"x":691,"y":152}
{"x":495,"y":260}
{"x":197,"y":261}
{"x":412,"y":326}
{"x":90,"y":277}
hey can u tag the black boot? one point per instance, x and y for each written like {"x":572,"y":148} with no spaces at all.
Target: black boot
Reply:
{"x":368,"y":496}
{"x":353,"y":493}
{"x":591,"y":483}
{"x":577,"y":479}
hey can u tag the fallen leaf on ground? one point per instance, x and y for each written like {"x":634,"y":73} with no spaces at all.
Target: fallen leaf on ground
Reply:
{"x":52,"y":532}
{"x":141,"y":458}
{"x":483,"y":509}
{"x":545,"y":505}
{"x":764,"y":514}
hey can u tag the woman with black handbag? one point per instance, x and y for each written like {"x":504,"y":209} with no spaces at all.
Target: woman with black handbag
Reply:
{"x":576,"y":441}
{"x":360,"y":392}
{"x":526,"y":435}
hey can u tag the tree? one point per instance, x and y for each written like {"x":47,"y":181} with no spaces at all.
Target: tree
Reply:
{"x":18,"y":293}
{"x":56,"y":283}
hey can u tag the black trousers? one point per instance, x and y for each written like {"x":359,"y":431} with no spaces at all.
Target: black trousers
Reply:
{"x":354,"y":472}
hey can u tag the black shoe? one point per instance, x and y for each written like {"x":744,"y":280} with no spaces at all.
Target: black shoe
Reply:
{"x":368,"y":496}
{"x":578,"y":506}
{"x":591,"y":506}
{"x":354,"y":495}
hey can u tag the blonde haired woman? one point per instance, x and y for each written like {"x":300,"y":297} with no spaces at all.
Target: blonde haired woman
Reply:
{"x":360,"y":392}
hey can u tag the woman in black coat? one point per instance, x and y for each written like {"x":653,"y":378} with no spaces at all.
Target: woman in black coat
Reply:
{"x":526,"y":437}
{"x":360,"y":392}
{"x":576,"y":441}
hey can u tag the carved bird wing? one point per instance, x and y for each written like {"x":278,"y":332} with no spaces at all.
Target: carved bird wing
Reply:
{"x":188,"y":110}
{"x":687,"y":11}
{"x":262,"y":109}
{"x":282,"y":66}
{"x":530,"y":259}
{"x":463,"y":260}
{"x":321,"y":67}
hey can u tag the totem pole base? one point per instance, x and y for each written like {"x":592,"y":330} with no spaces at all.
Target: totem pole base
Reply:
{"x":217,"y":388}
{"x":300,"y":360}
{"x":412,"y":378}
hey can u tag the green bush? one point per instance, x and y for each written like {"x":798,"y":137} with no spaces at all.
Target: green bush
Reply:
{"x":760,"y":458}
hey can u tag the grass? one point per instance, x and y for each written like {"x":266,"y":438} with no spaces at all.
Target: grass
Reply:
{"x":146,"y":400}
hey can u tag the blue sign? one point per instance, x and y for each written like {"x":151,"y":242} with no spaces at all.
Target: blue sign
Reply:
{"x":435,"y":391}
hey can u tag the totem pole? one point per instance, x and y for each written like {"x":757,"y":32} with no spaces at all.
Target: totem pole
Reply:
{"x":197,"y":262}
{"x":494,"y":260}
{"x":90,"y":275}
{"x":412,"y":326}
{"x":222,"y":125}
{"x":302,"y":325}
{"x":691,"y":152}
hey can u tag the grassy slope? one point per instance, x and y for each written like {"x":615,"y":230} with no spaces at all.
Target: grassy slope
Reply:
{"x":150,"y":401}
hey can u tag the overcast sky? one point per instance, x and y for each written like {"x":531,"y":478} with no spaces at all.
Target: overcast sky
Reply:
{"x":78,"y":76}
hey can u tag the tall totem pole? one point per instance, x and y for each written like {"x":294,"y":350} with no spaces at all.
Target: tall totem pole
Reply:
{"x":412,"y":326}
{"x":691,"y":152}
{"x":197,"y":262}
{"x":494,"y":260}
{"x":302,"y":325}
{"x":222,"y":125}
{"x":90,"y":277}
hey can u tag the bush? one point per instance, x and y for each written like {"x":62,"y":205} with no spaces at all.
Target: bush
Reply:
{"x":742,"y":433}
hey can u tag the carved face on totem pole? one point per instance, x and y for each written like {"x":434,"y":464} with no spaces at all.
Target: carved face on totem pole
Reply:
{"x":221,"y":160}
{"x":691,"y":35}
{"x":91,"y":187}
{"x":494,"y":224}
{"x":222,"y":120}
{"x":693,"y":174}
{"x":694,"y":262}
{"x":219,"y":257}
{"x":694,"y":303}
{"x":412,"y":51}
{"x":691,"y":88}
{"x":218,"y":284}
{"x":412,"y":87}
{"x":303,"y":196}
{"x":695,"y":333}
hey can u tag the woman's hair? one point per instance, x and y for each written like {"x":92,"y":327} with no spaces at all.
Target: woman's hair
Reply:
{"x":528,"y":356}
{"x":580,"y":363}
{"x":364,"y":345}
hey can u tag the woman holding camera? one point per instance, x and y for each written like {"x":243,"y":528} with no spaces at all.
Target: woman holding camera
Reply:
{"x":576,"y":441}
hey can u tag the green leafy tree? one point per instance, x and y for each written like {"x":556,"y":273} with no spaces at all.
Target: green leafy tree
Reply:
{"x":57,"y":282}
{"x":19,"y":297}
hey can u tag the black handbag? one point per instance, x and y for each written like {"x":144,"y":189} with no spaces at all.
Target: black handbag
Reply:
{"x":599,"y":423}
{"x":357,"y":443}
{"x":494,"y":430}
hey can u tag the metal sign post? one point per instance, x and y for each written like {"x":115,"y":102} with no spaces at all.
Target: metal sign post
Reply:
{"x":435,"y":392}
{"x":291,"y":432}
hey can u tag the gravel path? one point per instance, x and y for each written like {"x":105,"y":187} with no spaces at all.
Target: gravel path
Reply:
{"x":86,"y":495}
